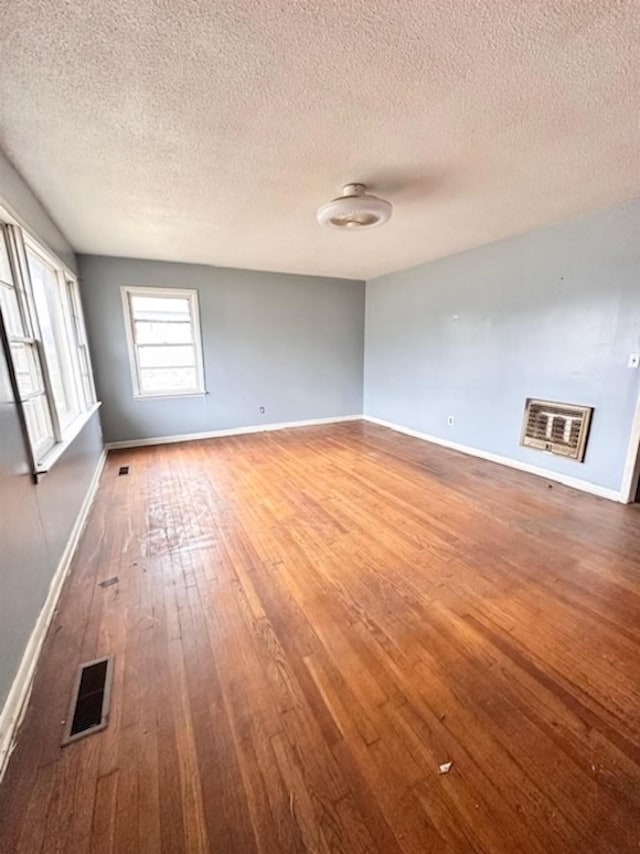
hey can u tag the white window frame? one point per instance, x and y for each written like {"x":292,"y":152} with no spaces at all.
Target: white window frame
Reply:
{"x":190,"y":294}
{"x":43,"y":454}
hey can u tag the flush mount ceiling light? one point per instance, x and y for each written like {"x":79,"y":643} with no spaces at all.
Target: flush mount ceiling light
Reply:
{"x":354,"y":209}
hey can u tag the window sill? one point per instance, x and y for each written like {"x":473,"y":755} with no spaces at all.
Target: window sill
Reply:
{"x":51,"y":457}
{"x":176,"y":395}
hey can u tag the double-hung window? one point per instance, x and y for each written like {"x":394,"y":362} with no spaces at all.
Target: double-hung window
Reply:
{"x":54,"y":318}
{"x":42,"y":332}
{"x":165,"y":345}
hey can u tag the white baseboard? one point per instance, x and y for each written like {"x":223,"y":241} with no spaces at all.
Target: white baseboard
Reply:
{"x":566,"y":480}
{"x":234,"y":431}
{"x":16,"y":702}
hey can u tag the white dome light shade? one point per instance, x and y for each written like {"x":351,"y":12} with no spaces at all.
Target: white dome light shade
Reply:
{"x":355,"y":209}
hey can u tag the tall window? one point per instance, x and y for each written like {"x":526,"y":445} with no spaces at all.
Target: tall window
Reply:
{"x":42,"y":330}
{"x":163,"y":333}
{"x":54,"y":319}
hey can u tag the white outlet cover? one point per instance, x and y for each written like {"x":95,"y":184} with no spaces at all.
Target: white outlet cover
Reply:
{"x":634,"y":360}
{"x":450,"y":420}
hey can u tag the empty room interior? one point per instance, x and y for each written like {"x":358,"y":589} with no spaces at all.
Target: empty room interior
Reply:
{"x":319,"y":427}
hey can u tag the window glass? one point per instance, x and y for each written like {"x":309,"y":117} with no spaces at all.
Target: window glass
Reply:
{"x":167,"y":380}
{"x":162,"y":333}
{"x":161,"y":309}
{"x":48,"y":295}
{"x":10,"y":310}
{"x":39,"y":425}
{"x":27,"y":369}
{"x":78,"y":330}
{"x":5,"y":266}
{"x":166,"y":357}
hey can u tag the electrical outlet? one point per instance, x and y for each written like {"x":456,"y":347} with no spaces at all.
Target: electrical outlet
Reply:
{"x":450,"y":420}
{"x":262,"y":410}
{"x":634,"y":360}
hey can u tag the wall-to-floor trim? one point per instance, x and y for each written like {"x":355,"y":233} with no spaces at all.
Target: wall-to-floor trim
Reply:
{"x":18,"y":696}
{"x":566,"y":480}
{"x":235,"y":431}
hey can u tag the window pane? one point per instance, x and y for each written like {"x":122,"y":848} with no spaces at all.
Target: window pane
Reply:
{"x":80,"y":341}
{"x":166,"y":357}
{"x":5,"y":267}
{"x":36,"y":412}
{"x":158,"y":380}
{"x":85,"y":368}
{"x":27,"y":368}
{"x":162,"y":333}
{"x":10,"y":311}
{"x":160,"y":308}
{"x":47,"y":295}
{"x":87,"y":389}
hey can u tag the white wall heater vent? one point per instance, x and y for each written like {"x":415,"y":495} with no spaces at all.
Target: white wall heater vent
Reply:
{"x":558,"y":428}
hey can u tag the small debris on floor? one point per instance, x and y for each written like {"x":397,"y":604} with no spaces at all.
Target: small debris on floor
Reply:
{"x":445,"y":767}
{"x":109,"y":581}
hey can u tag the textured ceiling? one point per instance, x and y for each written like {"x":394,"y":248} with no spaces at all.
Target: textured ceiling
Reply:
{"x":210,"y":131}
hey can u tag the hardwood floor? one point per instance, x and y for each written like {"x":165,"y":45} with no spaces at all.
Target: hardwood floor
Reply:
{"x":306,"y":624}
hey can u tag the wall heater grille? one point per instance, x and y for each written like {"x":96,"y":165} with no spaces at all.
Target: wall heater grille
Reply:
{"x":558,"y":428}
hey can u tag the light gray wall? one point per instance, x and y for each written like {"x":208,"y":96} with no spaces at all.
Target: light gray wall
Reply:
{"x":35,"y":521}
{"x":35,"y":524}
{"x":293,"y":344}
{"x":553,"y":314}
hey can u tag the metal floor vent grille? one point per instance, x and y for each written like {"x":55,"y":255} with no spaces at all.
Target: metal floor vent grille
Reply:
{"x":89,"y":707}
{"x":123,"y":470}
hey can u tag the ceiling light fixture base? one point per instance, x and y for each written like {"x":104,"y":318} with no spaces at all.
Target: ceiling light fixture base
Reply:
{"x":355,"y":210}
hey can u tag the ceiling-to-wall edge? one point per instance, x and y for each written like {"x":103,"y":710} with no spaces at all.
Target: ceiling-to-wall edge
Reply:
{"x":513,"y":238}
{"x":17,"y":197}
{"x":204,"y":266}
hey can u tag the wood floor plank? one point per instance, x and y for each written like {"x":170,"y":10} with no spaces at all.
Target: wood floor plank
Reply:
{"x":306,"y":624}
{"x":102,"y":839}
